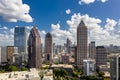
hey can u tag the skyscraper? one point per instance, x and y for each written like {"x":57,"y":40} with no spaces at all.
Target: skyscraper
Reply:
{"x":81,"y":44}
{"x":92,"y":50}
{"x":68,"y":45}
{"x":34,"y":43}
{"x":20,"y":41}
{"x":115,"y":67}
{"x":101,"y":56}
{"x":48,"y":47}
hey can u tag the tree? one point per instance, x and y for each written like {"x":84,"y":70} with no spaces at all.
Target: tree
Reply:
{"x":60,"y":73}
{"x":13,"y":68}
{"x":24,"y":69}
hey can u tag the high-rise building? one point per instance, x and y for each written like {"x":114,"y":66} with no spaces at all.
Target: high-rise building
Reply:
{"x":48,"y":47}
{"x":82,"y":39}
{"x":68,"y":45}
{"x":20,"y":41}
{"x":34,"y":44}
{"x":92,"y":50}
{"x":101,"y":56}
{"x":88,"y":67}
{"x":115,"y":67}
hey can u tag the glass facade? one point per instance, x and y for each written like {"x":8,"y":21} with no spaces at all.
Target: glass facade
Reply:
{"x":20,"y":39}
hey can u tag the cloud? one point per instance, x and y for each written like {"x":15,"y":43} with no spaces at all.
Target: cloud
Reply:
{"x":6,"y":36}
{"x":103,"y":1}
{"x":102,"y":35}
{"x":14,"y":10}
{"x":5,"y":27}
{"x":110,"y":24}
{"x":86,"y":1}
{"x":90,"y":1}
{"x":68,"y":11}
{"x":59,"y":35}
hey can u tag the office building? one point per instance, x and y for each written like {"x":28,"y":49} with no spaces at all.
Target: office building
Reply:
{"x":92,"y":50}
{"x":82,"y":40}
{"x":48,"y":48}
{"x":34,"y":44}
{"x":115,"y":67}
{"x":101,"y":56}
{"x":3,"y":54}
{"x":10,"y":51}
{"x":20,"y":39}
{"x":88,"y":67}
{"x":68,"y":45}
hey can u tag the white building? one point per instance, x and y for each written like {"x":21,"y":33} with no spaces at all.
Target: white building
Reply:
{"x":88,"y":67}
{"x":21,"y":75}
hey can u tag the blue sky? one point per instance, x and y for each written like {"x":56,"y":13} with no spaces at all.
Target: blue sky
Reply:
{"x":46,"y":12}
{"x":51,"y":16}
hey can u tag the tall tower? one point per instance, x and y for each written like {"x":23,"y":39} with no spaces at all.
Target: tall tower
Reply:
{"x":68,"y":45}
{"x":34,"y":43}
{"x":48,"y":47}
{"x":20,"y":41}
{"x":81,"y":44}
{"x":92,"y":50}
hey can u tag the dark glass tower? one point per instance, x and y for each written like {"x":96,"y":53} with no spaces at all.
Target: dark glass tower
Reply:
{"x":34,"y":43}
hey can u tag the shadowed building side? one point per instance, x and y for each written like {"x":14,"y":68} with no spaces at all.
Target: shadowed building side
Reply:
{"x":48,"y":48}
{"x":34,"y":42}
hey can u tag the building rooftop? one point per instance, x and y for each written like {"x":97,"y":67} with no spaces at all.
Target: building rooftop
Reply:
{"x":48,"y":35}
{"x":20,"y":75}
{"x":62,"y":66}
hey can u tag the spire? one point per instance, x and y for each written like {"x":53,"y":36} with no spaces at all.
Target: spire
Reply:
{"x":82,"y":22}
{"x":48,"y":34}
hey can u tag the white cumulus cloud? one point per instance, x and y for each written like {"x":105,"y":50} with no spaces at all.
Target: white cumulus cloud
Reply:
{"x":90,"y":1}
{"x":86,"y":1}
{"x":14,"y":10}
{"x":103,"y":1}
{"x":110,"y":24}
{"x":102,"y":35}
{"x":68,"y":11}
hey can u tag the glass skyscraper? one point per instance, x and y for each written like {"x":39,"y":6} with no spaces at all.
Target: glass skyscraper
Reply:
{"x":20,"y":41}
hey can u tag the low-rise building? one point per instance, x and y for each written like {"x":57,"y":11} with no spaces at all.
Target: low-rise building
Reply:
{"x":65,"y":58}
{"x":88,"y":67}
{"x":48,"y":74}
{"x":21,"y":75}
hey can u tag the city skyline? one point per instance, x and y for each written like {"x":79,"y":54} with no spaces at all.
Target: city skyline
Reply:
{"x":61,"y":19}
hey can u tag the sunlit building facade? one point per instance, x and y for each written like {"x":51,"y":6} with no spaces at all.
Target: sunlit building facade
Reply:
{"x":34,"y":52}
